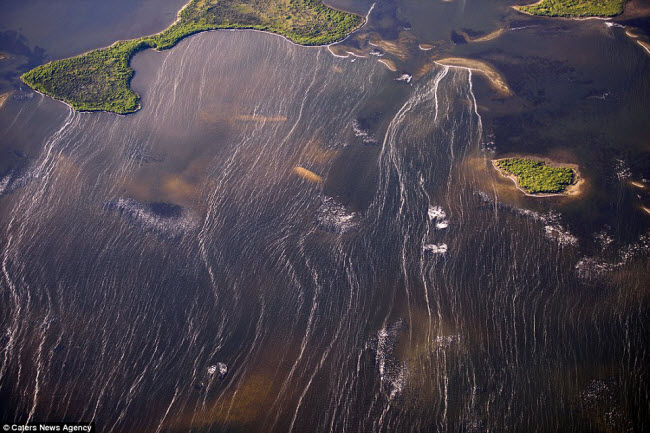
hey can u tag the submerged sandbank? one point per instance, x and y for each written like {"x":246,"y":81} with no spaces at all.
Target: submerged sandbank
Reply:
{"x":3,"y":98}
{"x":496,"y":79}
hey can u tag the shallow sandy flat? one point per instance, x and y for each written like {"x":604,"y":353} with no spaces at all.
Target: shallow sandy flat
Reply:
{"x":307,"y":174}
{"x":490,"y":36}
{"x":496,"y":79}
{"x":3,"y":98}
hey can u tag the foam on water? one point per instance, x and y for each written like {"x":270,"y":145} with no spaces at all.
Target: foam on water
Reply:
{"x":435,"y":248}
{"x":392,"y":372}
{"x":334,"y":217}
{"x":162,"y":218}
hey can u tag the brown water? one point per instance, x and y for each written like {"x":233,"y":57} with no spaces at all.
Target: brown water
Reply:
{"x":411,"y":289}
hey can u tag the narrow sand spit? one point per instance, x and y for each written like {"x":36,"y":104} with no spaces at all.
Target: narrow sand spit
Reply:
{"x":3,"y":98}
{"x":490,"y":36}
{"x":307,"y":174}
{"x":496,"y":79}
{"x":389,"y":64}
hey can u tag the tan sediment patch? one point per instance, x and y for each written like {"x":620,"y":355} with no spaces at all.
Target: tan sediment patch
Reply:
{"x":389,"y":64}
{"x":177,"y":189}
{"x":211,"y":117}
{"x":338,"y":50}
{"x":243,"y":405}
{"x":398,"y":48}
{"x":636,"y":34}
{"x":258,"y":118}
{"x":3,"y":98}
{"x":572,"y":190}
{"x":495,"y":78}
{"x":490,"y":36}
{"x":337,"y":69}
{"x":308,"y":175}
{"x":346,"y":51}
{"x":423,"y":70}
{"x":2,"y":56}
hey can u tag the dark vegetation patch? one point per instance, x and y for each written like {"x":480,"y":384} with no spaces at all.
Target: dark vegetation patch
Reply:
{"x":100,"y":80}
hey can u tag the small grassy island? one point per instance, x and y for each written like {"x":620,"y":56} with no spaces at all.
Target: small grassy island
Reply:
{"x":537,"y":177}
{"x":574,"y":8}
{"x":99,"y":80}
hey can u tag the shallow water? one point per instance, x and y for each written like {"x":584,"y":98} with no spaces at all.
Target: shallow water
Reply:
{"x":171,"y":270}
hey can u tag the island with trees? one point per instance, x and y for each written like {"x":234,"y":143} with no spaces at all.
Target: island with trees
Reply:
{"x":574,"y":8}
{"x":99,"y":80}
{"x":537,"y":177}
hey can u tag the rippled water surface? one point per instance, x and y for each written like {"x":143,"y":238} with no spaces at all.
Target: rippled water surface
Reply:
{"x":284,"y":239}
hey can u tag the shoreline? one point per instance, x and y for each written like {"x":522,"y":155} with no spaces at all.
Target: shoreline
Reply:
{"x":147,"y":46}
{"x":578,"y":18}
{"x":572,"y":190}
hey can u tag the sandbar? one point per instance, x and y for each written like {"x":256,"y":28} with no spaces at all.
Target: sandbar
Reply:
{"x":496,"y":80}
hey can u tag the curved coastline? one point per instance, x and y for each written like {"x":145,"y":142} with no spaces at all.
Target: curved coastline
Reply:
{"x":568,"y":14}
{"x":571,"y":190}
{"x":109,"y":74}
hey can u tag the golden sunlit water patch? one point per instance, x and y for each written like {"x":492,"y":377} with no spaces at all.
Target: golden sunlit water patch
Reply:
{"x":307,"y":175}
{"x":243,"y":406}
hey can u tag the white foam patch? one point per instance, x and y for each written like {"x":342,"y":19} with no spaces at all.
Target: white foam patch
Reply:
{"x":436,"y":212}
{"x":4,"y":183}
{"x":392,"y":372}
{"x":176,"y":223}
{"x":442,"y":224}
{"x":406,"y":78}
{"x":446,"y":341}
{"x":593,"y":267}
{"x":558,"y":233}
{"x":622,"y":170}
{"x":365,"y":136}
{"x":435,"y":248}
{"x":334,"y":217}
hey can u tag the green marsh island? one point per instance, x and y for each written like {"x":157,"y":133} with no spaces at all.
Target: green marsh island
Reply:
{"x":537,"y":177}
{"x":99,"y":80}
{"x":574,"y":8}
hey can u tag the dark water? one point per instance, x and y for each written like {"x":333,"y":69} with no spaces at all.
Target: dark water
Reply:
{"x":173,"y":271}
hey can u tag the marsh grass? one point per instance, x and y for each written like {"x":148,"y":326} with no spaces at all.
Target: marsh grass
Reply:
{"x":536,"y":177}
{"x":100,"y":79}
{"x":575,"y":8}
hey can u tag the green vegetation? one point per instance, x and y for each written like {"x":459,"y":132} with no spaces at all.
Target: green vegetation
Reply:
{"x":537,"y":177}
{"x":575,"y":8}
{"x":99,"y":80}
